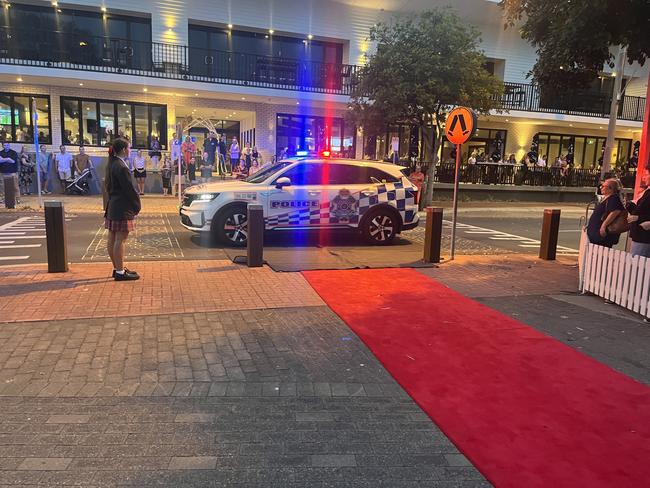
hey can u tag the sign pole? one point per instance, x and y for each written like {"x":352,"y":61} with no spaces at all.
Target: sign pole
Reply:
{"x":37,"y":153}
{"x":180,"y":166}
{"x":455,"y":205}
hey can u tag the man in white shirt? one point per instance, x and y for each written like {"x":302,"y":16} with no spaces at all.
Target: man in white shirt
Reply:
{"x":63,"y":162}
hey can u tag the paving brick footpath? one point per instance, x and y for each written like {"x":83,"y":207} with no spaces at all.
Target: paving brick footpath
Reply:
{"x":206,"y":373}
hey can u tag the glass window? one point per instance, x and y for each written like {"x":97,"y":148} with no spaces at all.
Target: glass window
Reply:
{"x":343,"y":174}
{"x":141,"y":138}
{"x":124,"y":128}
{"x":349,"y":133}
{"x":336,"y":135}
{"x":158,"y":125}
{"x":106,"y":123}
{"x":43,"y":121}
{"x":306,"y":174}
{"x":22,"y":119}
{"x":623,"y":154}
{"x":71,"y":124}
{"x":590,"y":153}
{"x":89,"y":123}
{"x":553,"y":149}
{"x":5,"y":118}
{"x":578,"y":152}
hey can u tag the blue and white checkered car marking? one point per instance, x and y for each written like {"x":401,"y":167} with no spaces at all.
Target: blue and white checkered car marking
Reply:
{"x":394,"y":194}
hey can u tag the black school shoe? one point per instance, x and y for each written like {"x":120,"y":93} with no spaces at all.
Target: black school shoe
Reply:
{"x":126,"y":270}
{"x":126,"y":276}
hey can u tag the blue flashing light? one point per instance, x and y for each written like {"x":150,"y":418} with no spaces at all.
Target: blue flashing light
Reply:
{"x":302,"y":153}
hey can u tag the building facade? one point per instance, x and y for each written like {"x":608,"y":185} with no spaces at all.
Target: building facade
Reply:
{"x":275,"y":74}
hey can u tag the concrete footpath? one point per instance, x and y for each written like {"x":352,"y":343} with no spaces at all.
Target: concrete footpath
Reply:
{"x":206,"y":373}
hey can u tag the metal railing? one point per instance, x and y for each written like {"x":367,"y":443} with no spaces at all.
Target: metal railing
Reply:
{"x":529,"y":98}
{"x":506,"y":174}
{"x":78,"y":51}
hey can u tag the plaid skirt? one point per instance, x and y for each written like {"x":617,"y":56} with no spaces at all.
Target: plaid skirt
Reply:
{"x":119,"y":225}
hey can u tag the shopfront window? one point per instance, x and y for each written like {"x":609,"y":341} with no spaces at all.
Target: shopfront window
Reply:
{"x":314,"y":134}
{"x":587,"y":151}
{"x":96,"y":122}
{"x":16,"y":118}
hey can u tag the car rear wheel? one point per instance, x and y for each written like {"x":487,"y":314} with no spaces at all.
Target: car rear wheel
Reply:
{"x":231,"y":226}
{"x":380,"y":227}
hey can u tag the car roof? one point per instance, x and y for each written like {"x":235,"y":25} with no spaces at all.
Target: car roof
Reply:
{"x":354,"y":162}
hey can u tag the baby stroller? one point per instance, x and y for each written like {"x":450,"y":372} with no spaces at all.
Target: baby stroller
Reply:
{"x":79,"y":185}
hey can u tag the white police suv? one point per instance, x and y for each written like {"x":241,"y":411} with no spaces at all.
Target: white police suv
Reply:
{"x":372,"y":197}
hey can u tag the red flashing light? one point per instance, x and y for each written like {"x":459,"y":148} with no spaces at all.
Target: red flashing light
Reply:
{"x":325,"y":154}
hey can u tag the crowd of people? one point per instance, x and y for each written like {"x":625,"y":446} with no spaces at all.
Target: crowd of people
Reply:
{"x":24,"y":168}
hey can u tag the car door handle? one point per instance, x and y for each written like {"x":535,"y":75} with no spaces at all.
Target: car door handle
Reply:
{"x":313,"y":193}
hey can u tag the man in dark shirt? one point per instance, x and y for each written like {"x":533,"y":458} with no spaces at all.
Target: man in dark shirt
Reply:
{"x":210,"y":146}
{"x":9,"y":167}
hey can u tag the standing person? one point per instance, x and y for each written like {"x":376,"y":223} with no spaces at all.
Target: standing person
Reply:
{"x":256,"y":154}
{"x":639,"y":219}
{"x":417,"y":178}
{"x":155,"y":152}
{"x":223,"y":151}
{"x":26,"y":171}
{"x":512,"y":160}
{"x":166,"y":174}
{"x":210,"y":147}
{"x":605,"y":213}
{"x":248,"y":155}
{"x":188,"y":149}
{"x":206,"y":171}
{"x":81,"y":161}
{"x":63,"y":166}
{"x":191,"y":169}
{"x":121,"y":209}
{"x":139,"y":171}
{"x":234,"y":154}
{"x":9,"y":167}
{"x":541,"y":162}
{"x":175,"y":148}
{"x":43,"y":166}
{"x":178,"y":177}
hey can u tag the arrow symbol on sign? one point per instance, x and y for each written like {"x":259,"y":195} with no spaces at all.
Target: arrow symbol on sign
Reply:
{"x":459,"y":118}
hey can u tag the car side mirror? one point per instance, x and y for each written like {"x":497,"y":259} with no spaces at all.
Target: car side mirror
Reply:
{"x":282,"y":182}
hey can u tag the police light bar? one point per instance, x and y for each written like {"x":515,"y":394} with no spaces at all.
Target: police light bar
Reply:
{"x":302,"y":153}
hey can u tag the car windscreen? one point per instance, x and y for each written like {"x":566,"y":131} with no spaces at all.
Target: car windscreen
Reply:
{"x":263,"y":174}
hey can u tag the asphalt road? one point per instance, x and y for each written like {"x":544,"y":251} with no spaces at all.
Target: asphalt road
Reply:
{"x":482,"y":228}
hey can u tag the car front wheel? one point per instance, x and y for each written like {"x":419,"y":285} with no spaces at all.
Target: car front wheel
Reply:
{"x":380,"y":227}
{"x":232,"y":226}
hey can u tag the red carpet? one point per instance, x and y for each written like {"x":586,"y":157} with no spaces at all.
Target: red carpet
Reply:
{"x":527,"y":410}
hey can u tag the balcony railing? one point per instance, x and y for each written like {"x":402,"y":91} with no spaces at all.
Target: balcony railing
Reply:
{"x":79,"y":51}
{"x":160,"y":60}
{"x":529,"y":98}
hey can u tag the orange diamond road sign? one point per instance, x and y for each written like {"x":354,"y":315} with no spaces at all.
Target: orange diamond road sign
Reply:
{"x":460,"y":125}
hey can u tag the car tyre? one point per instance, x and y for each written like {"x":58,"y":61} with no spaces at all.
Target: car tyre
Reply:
{"x":380,"y":226}
{"x":231,"y":226}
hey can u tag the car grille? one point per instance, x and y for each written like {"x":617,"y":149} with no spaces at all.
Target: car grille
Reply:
{"x":188,"y":199}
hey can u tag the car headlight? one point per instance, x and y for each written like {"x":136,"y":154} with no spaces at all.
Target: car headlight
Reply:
{"x":198,"y":197}
{"x":206,"y":197}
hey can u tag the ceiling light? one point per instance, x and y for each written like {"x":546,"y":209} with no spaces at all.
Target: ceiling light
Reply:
{"x":19,"y":79}
{"x":229,"y":26}
{"x":54,"y":3}
{"x":266,"y":36}
{"x":58,"y":10}
{"x":570,"y":125}
{"x":297,"y":103}
{"x":83,"y":43}
{"x":144,"y":89}
{"x":196,"y":94}
{"x":103,"y":9}
{"x":310,"y":37}
{"x":271,"y":31}
{"x":243,"y":98}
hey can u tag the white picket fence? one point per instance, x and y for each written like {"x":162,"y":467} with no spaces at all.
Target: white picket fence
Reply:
{"x":616,"y":276}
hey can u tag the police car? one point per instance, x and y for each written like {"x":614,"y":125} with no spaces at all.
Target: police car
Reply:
{"x":371,"y":197}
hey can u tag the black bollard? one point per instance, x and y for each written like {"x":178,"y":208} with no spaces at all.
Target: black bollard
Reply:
{"x":10,"y":192}
{"x":550,"y":229}
{"x":433,"y":235}
{"x":57,"y":246}
{"x":255,"y":240}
